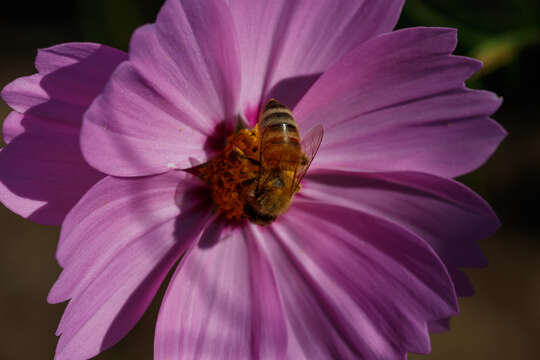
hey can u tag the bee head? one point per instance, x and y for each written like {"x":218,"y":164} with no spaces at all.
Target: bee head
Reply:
{"x":256,"y":213}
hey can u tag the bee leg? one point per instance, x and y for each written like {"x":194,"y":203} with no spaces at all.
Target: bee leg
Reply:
{"x":241,"y":154}
{"x":243,"y":187}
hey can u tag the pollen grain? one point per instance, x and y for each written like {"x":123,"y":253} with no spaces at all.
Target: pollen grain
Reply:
{"x":231,"y":171}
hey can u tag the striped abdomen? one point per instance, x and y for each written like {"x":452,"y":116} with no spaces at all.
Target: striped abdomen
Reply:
{"x":280,"y":140}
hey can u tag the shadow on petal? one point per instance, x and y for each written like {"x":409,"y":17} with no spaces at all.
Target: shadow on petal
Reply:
{"x":289,"y":91}
{"x":45,"y":171}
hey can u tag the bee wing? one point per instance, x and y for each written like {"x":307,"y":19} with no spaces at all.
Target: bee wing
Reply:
{"x":310,"y":145}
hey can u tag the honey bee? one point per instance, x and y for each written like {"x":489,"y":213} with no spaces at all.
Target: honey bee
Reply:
{"x":283,"y":162}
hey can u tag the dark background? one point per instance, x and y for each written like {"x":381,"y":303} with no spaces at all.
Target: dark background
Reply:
{"x":502,"y":321}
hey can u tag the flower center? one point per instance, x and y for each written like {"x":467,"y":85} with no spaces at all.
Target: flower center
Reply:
{"x":232,"y":171}
{"x":259,"y":171}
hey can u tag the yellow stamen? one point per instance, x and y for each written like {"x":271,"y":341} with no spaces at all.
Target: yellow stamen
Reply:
{"x":230,"y":172}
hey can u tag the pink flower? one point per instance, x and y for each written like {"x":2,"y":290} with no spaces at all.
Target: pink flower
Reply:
{"x":368,"y":253}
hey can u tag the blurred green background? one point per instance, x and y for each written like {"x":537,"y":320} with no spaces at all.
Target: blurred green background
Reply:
{"x":502,"y":321}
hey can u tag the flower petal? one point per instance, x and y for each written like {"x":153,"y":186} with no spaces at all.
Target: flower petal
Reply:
{"x":397,"y":102}
{"x":42,"y":171}
{"x":116,"y":247}
{"x":463,"y":288}
{"x":70,"y":76}
{"x":103,"y":59}
{"x":12,"y":127}
{"x":285,"y":45}
{"x":178,"y":90}
{"x":355,"y":286}
{"x":445,"y":213}
{"x":222,"y":303}
{"x":461,"y":282}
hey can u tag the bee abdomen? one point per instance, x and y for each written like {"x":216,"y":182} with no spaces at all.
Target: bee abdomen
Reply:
{"x":276,"y":116}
